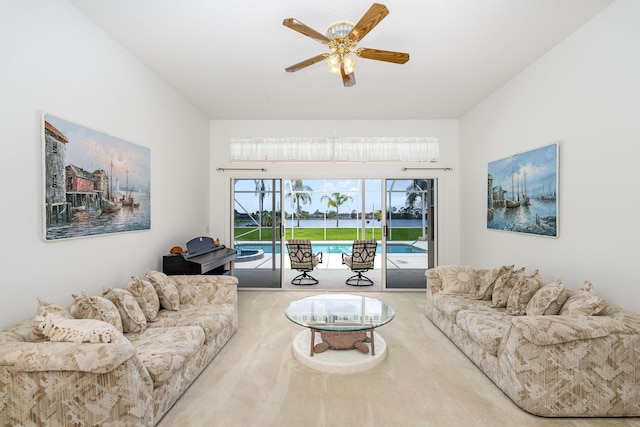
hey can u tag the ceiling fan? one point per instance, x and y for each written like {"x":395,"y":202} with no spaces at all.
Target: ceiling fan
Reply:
{"x":342,"y":39}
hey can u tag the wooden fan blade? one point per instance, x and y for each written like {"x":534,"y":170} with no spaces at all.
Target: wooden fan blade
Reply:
{"x":306,"y":63}
{"x":374,"y":15}
{"x":348,"y":80}
{"x":383,"y":55}
{"x":298,"y":26}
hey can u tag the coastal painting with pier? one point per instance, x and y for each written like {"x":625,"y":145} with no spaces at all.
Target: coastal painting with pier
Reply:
{"x":94,"y":183}
{"x":522,"y":192}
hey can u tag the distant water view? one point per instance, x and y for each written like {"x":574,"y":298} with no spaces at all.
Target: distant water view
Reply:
{"x":336,"y":248}
{"x":346,"y":223}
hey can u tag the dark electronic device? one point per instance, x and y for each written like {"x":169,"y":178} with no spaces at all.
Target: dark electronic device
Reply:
{"x":202,"y":257}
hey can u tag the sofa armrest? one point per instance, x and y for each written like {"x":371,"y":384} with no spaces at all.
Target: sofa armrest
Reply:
{"x":569,"y":376}
{"x":206,"y":289}
{"x":549,"y":330}
{"x":21,"y":356}
{"x":434,"y":283}
{"x":63,"y":384}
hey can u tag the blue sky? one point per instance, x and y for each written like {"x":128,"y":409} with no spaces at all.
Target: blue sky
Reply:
{"x":321,"y":187}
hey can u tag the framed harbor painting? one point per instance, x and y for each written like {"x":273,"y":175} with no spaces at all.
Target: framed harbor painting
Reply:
{"x":522,"y":192}
{"x":93,"y":183}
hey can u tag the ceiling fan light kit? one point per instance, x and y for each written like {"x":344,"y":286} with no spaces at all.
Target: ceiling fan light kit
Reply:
{"x":342,"y":38}
{"x":339,"y":29}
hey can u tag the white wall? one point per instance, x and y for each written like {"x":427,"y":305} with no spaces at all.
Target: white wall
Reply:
{"x":584,"y":93}
{"x":56,"y":61}
{"x":445,"y":130}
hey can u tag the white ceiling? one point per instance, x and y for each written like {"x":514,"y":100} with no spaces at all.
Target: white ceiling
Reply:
{"x":228,"y":58}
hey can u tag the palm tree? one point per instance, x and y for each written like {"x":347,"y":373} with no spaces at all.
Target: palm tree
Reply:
{"x":335,"y":201}
{"x":418,"y":190}
{"x":260,"y":191}
{"x":300,"y":192}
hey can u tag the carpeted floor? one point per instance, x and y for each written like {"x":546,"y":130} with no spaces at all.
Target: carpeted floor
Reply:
{"x":424,"y":381}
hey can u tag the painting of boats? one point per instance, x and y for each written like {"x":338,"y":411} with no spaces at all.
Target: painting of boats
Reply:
{"x":522,"y":192}
{"x":94,"y":183}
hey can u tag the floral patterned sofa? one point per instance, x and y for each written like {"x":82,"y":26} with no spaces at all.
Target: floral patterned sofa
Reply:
{"x":122,"y":358}
{"x":555,"y":352}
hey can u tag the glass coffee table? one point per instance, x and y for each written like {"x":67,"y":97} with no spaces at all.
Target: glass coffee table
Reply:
{"x":344,"y":321}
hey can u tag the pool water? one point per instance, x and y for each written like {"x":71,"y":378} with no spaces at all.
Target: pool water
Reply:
{"x":338,"y":248}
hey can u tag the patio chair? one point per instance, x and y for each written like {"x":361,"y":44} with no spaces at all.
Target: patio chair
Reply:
{"x":303,"y":259}
{"x":363,"y":254}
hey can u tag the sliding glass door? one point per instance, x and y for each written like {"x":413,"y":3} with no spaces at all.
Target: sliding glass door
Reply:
{"x":333,"y":213}
{"x":409,"y":232}
{"x":256,"y":230}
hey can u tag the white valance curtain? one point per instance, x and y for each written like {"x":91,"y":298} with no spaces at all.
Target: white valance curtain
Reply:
{"x":335,"y":149}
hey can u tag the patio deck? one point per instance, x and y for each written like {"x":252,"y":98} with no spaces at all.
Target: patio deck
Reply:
{"x":332,"y":273}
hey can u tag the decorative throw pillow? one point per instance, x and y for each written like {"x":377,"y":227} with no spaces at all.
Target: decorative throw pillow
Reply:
{"x":587,"y":286}
{"x":503,"y":286}
{"x":147,"y":297}
{"x":44,"y":309}
{"x":487,"y":280}
{"x":548,"y":300}
{"x":521,"y":293}
{"x":77,"y":330}
{"x":457,"y":279}
{"x":583,"y":303}
{"x":166,"y":289}
{"x":95,"y":307}
{"x":131,"y":314}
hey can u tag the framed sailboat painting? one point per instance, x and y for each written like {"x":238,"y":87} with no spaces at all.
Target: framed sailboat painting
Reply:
{"x":522,"y":192}
{"x":93,"y":183}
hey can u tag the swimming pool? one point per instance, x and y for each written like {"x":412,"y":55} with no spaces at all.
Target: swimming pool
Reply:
{"x":336,"y":248}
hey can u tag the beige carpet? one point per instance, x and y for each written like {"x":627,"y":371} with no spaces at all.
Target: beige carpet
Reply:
{"x":424,"y":381}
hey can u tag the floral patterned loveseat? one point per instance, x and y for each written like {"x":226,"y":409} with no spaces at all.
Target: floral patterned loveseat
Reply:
{"x":122,"y":358}
{"x":555,"y":352}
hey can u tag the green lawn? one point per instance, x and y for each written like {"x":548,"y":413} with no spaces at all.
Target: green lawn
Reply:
{"x":318,"y":234}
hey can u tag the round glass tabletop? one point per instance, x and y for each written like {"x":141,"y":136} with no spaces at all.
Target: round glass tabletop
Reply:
{"x":339,"y":312}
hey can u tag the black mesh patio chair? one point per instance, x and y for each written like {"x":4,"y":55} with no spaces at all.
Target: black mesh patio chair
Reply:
{"x":363,"y":254}
{"x":303,"y":259}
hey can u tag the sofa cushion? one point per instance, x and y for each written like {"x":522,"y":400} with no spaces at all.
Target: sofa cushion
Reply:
{"x":486,"y":280}
{"x":78,"y":330}
{"x":211,"y":318}
{"x":486,"y":328}
{"x":146,"y":295}
{"x":190,"y":292}
{"x":503,"y":286}
{"x":95,"y":307}
{"x":166,"y":289}
{"x":583,"y":302}
{"x":133,"y":319}
{"x":450,"y":305}
{"x":164,"y":351}
{"x":548,"y":300}
{"x":47,"y":309}
{"x":457,"y":279}
{"x":521,"y":293}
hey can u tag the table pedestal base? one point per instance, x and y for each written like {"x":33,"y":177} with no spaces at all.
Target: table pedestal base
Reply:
{"x":338,"y":361}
